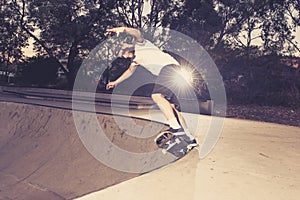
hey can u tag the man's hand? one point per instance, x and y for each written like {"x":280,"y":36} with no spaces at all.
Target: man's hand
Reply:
{"x":111,"y":85}
{"x":130,"y":31}
{"x":117,"y":30}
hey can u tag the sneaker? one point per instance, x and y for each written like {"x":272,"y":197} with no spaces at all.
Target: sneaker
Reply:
{"x":179,"y":131}
{"x":192,"y":143}
{"x":162,"y":138}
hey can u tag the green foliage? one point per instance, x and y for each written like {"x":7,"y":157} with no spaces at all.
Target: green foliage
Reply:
{"x":240,"y":36}
{"x":65,"y":29}
{"x":12,"y":39}
{"x":263,"y":81}
{"x":197,"y":19}
{"x":246,"y":24}
{"x":39,"y":71}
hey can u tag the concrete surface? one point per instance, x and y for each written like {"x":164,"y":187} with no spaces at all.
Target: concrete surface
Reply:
{"x":252,"y":161}
{"x":42,"y":157}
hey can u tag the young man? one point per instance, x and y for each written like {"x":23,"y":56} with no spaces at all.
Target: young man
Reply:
{"x":162,"y":65}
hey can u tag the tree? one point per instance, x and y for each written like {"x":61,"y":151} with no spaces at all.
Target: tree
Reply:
{"x":197,"y":19}
{"x":280,"y":19}
{"x":12,"y":38}
{"x":246,"y":23}
{"x":133,"y":13}
{"x":39,"y":71}
{"x":64,"y":29}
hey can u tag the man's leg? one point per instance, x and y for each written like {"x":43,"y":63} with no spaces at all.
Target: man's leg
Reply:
{"x":179,"y":117}
{"x":183,"y":122}
{"x":164,"y":90}
{"x":167,"y":109}
{"x":169,"y":112}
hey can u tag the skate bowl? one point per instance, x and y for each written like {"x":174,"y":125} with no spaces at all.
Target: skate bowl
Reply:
{"x":252,"y":160}
{"x":42,"y":156}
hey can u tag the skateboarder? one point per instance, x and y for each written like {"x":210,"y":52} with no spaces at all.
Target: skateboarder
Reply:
{"x":162,"y":65}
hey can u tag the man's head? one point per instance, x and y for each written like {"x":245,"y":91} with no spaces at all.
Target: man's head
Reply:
{"x":128,"y":51}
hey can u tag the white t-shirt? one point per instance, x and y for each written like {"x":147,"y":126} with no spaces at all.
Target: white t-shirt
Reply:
{"x":151,"y":57}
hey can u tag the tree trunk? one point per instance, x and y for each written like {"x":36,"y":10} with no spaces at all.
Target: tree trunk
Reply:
{"x":71,"y":64}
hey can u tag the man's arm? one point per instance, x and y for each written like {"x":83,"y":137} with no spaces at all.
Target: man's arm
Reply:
{"x":123,"y":77}
{"x":130,"y":31}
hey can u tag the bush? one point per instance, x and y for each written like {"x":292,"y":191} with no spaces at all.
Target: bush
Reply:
{"x":261,"y":81}
{"x":39,"y":71}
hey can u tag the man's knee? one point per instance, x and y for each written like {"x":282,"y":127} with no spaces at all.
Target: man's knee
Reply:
{"x":156,"y":97}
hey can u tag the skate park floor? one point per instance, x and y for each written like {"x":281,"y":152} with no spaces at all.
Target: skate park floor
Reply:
{"x":43,"y":158}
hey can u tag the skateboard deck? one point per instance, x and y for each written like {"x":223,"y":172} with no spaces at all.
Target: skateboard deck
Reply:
{"x":174,"y":144}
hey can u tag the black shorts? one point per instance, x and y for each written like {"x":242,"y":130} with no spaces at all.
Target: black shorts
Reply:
{"x":165,"y":86}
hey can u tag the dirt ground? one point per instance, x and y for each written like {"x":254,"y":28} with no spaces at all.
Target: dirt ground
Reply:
{"x":279,"y":115}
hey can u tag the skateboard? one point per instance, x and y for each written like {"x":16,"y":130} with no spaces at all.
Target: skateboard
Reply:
{"x":174,"y":144}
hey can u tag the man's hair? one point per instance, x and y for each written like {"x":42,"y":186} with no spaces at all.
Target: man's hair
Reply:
{"x":125,"y":47}
{"x":129,"y":49}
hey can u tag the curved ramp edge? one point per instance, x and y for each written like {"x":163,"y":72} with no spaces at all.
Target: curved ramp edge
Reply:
{"x":42,"y":156}
{"x":252,"y":160}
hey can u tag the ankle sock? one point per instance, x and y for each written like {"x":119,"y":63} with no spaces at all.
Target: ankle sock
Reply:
{"x":188,"y":133}
{"x":174,"y":123}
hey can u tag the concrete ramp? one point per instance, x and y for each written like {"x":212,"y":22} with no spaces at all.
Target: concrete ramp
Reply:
{"x":252,"y":161}
{"x":42,"y":156}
